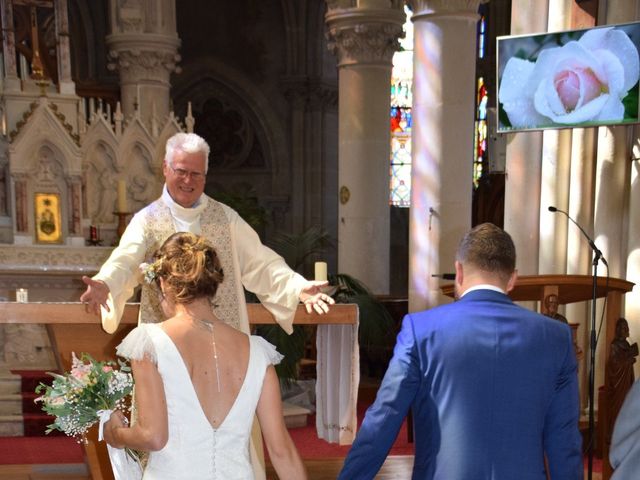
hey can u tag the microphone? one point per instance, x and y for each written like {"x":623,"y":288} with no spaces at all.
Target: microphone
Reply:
{"x":591,"y":242}
{"x":445,"y":276}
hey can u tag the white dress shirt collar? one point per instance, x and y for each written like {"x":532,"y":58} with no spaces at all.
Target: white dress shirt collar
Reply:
{"x":483,"y":286}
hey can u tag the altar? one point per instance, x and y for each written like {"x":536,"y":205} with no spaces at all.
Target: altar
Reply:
{"x":71,"y":329}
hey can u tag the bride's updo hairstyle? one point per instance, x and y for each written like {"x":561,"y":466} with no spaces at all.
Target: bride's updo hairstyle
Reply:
{"x":189,"y":266}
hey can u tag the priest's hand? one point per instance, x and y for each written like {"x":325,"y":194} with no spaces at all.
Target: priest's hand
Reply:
{"x":314,"y":299}
{"x":95,"y":295}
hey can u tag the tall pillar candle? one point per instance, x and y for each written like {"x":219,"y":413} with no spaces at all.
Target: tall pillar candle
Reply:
{"x":122,"y":196}
{"x":321,"y":271}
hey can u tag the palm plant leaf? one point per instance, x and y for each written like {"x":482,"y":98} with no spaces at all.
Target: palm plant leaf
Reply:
{"x":296,"y":248}
{"x":376,"y":322}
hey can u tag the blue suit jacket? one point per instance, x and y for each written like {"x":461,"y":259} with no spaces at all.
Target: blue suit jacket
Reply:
{"x":492,"y":387}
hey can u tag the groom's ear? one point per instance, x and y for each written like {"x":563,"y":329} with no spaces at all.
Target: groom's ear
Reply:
{"x":459,"y":273}
{"x":512,"y":281}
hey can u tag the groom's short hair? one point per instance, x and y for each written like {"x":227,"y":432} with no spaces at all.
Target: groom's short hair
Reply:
{"x":488,"y":248}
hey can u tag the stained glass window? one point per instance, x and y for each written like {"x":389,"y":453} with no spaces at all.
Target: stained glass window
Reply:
{"x":482,"y":98}
{"x":400,"y":119}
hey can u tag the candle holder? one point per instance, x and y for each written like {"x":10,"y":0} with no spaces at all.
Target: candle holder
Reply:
{"x":122,"y":222}
{"x":94,"y":236}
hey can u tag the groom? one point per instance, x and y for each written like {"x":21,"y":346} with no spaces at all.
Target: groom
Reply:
{"x":492,"y":386}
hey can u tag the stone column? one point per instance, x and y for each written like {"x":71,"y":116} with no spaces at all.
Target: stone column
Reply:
{"x":75,"y":201}
{"x":523,"y":166}
{"x":364,"y":36}
{"x":20,"y":188}
{"x":11,"y":80}
{"x":554,"y":191}
{"x":627,"y":11}
{"x":554,"y":188}
{"x":65,"y":83}
{"x":4,"y":197}
{"x":611,"y":191}
{"x":580,"y":208}
{"x":442,"y":140}
{"x":632,"y":306}
{"x":143,"y":45}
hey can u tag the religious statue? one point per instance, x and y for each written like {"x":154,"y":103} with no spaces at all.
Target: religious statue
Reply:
{"x":551,"y":308}
{"x":622,"y":356}
{"x":551,"y":304}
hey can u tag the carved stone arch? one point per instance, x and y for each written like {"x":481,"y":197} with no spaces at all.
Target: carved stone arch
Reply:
{"x":207,"y":81}
{"x":230,"y":124}
{"x":51,"y":175}
{"x":43,"y":127}
{"x":88,"y":26}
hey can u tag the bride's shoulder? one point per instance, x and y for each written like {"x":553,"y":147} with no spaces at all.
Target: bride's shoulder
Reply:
{"x":266,"y":349}
{"x":139,"y":343}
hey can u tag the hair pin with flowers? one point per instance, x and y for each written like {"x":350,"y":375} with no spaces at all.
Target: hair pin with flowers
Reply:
{"x":149,"y":271}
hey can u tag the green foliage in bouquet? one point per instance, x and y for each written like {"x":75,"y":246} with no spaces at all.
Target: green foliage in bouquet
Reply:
{"x":76,"y":397}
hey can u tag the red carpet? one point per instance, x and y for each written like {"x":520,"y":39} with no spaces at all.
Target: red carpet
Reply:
{"x":35,"y":448}
{"x":39,"y":450}
{"x":35,"y":420}
{"x":310,"y":446}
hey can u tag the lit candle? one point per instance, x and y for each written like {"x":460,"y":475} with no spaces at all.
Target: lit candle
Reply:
{"x":321,"y":271}
{"x":22,"y":295}
{"x":93,"y":233}
{"x":122,"y":196}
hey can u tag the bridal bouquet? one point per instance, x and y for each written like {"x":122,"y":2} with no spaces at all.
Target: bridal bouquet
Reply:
{"x":76,"y":398}
{"x":87,"y":395}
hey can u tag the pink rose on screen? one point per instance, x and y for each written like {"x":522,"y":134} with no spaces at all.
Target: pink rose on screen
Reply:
{"x":581,"y":81}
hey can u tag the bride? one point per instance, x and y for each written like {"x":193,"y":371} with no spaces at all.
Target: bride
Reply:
{"x":198,"y":381}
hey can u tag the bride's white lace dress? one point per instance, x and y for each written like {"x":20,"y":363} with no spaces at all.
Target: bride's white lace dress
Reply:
{"x":195,"y":450}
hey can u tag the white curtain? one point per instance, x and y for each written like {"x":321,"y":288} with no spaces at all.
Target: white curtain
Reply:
{"x":338,"y":372}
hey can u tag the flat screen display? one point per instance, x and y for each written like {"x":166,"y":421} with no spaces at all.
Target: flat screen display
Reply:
{"x":576,"y":78}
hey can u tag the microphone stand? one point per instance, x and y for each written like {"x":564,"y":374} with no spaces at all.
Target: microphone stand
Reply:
{"x":597,"y":256}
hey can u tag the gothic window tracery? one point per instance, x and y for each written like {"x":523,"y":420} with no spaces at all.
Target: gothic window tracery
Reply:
{"x":230,"y":135}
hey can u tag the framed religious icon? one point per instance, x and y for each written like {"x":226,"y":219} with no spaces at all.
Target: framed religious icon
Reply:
{"x":48,"y":218}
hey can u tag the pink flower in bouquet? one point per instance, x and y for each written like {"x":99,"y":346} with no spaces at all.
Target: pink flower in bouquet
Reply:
{"x":79,"y":370}
{"x":74,"y":398}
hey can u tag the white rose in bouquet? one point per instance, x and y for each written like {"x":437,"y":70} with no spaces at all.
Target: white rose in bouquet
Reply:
{"x":581,"y":81}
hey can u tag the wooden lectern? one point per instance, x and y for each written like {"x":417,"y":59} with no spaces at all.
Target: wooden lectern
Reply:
{"x":71,"y":329}
{"x":579,"y":288}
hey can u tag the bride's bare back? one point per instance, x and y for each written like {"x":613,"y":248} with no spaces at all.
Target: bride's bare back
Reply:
{"x":194,"y":339}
